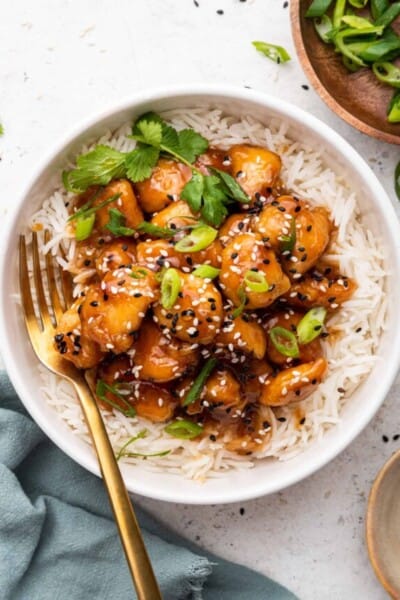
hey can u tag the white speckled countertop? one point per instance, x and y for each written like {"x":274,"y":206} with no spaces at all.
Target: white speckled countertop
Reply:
{"x":60,"y":61}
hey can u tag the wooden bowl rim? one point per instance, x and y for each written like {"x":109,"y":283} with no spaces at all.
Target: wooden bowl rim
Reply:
{"x":372,"y":502}
{"x":320,"y":88}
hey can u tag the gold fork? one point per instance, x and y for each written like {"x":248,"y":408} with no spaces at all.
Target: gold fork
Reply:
{"x":41,"y":333}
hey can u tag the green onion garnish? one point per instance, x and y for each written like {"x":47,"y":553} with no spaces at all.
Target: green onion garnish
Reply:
{"x":170,"y":288}
{"x":323,"y":26}
{"x":310,"y":325}
{"x":318,"y":8}
{"x":198,"y":384}
{"x":84,"y":227}
{"x":394,"y":109}
{"x":206,"y":272}
{"x":184,"y":429}
{"x":243,"y":301}
{"x":276,"y":53}
{"x":142,"y":434}
{"x":255,"y":281}
{"x":387,"y":73}
{"x":139,"y":274}
{"x":198,"y":239}
{"x":87,"y":209}
{"x":284,"y":341}
{"x":287,"y":242}
{"x":397,"y":180}
{"x":160,"y":232}
{"x":102,"y":387}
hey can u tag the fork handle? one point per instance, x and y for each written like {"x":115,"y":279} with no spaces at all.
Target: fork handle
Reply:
{"x":129,"y":531}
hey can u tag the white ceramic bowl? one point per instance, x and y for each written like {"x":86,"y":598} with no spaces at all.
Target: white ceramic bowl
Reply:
{"x":267,"y":476}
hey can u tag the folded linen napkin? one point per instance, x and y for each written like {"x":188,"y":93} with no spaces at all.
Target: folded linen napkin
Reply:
{"x":58,"y":539}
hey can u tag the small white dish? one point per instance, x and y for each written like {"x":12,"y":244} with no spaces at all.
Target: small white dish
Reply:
{"x":267,"y":476}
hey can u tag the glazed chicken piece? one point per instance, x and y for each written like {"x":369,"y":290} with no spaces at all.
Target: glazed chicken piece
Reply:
{"x":244,"y":254}
{"x":315,"y":288}
{"x":72,"y":341}
{"x":164,"y":186}
{"x":309,"y":227}
{"x":253,"y":374}
{"x":174,"y":216}
{"x":150,"y":401}
{"x":294,"y":384}
{"x":289,"y":320}
{"x":197,"y":313}
{"x":220,"y":392}
{"x":214,"y":157}
{"x":234,"y":225}
{"x":116,"y":307}
{"x":255,"y":168}
{"x":253,"y":431}
{"x":156,"y":254}
{"x":120,"y":252}
{"x":243,"y":335}
{"x":161,"y":359}
{"x":127,"y":204}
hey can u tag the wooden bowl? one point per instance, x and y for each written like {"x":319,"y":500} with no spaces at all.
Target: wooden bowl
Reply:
{"x":358,"y":98}
{"x":383,"y":526}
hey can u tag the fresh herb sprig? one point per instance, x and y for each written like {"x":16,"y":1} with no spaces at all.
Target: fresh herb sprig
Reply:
{"x":102,"y":388}
{"x":207,"y":194}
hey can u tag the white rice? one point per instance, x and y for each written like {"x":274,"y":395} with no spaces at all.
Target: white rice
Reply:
{"x":350,"y":356}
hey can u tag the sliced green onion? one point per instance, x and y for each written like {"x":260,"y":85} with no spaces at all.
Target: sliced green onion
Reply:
{"x":352,"y":32}
{"x":387,"y":73}
{"x":310,"y":325}
{"x":338,"y":12}
{"x":84,"y":227}
{"x":139,"y":274}
{"x":287,"y":242}
{"x":394,"y":108}
{"x":102,"y":387}
{"x":206,"y":272}
{"x":198,"y":384}
{"x":142,"y":434}
{"x":160,"y":232}
{"x":276,"y":53}
{"x":284,"y":341}
{"x":243,"y":301}
{"x":318,"y":8}
{"x":378,"y":7}
{"x":198,"y":239}
{"x":256,"y":281}
{"x":184,"y":429}
{"x":323,"y":26}
{"x":358,"y":3}
{"x":144,"y":455}
{"x":170,"y":288}
{"x":356,"y":22}
{"x":87,"y":209}
{"x":397,"y":180}
{"x":390,"y":14}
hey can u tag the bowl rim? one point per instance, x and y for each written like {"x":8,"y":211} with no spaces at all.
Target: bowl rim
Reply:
{"x":329,"y":100}
{"x":372,"y":548}
{"x":296,"y":115}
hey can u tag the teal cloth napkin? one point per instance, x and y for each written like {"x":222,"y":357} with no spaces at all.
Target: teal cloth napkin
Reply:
{"x":58,"y":540}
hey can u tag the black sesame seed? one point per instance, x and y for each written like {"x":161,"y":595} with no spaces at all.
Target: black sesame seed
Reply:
{"x":297,"y":209}
{"x":285,"y":4}
{"x":213,"y":438}
{"x":79,"y":309}
{"x":282,"y":208}
{"x":396,"y":437}
{"x":266,"y":261}
{"x":297,"y":392}
{"x":331,"y":299}
{"x":105,"y":297}
{"x":59,"y":337}
{"x":234,"y":255}
{"x":239,"y":173}
{"x":87,"y":262}
{"x":137,"y":295}
{"x":194,"y":334}
{"x":209,"y":319}
{"x":195,"y":3}
{"x":124,"y":247}
{"x":385,"y":439}
{"x":309,"y":227}
{"x":302,"y":421}
{"x":305,"y":86}
{"x":358,"y":329}
{"x":172,"y":226}
{"x":189,"y":260}
{"x":341,"y":390}
{"x":213,"y":306}
{"x":94,"y":303}
{"x":170,"y":197}
{"x":314,"y":381}
{"x":220,"y":12}
{"x":241,"y":511}
{"x":281,"y":419}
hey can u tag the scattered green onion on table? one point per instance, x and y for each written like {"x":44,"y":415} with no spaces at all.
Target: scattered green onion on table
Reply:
{"x":361,"y":32}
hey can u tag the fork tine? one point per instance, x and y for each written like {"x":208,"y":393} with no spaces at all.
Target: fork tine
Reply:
{"x":26,"y":295}
{"x":37,"y":275}
{"x":66,"y":281}
{"x":54,"y":295}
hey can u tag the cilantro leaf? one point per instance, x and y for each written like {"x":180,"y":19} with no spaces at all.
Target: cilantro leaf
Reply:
{"x":116,"y":223}
{"x":97,"y":167}
{"x":148,"y":131}
{"x":214,"y":210}
{"x":232,"y":187}
{"x":191,"y":144}
{"x":140,"y":162}
{"x":193,"y":191}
